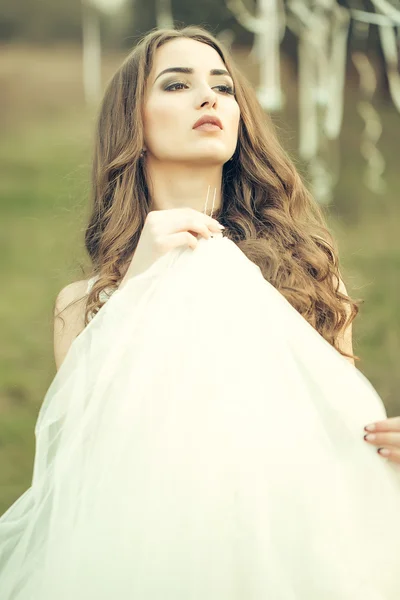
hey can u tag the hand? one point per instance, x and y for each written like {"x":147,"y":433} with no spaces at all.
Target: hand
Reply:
{"x":387,"y":438}
{"x":164,"y":230}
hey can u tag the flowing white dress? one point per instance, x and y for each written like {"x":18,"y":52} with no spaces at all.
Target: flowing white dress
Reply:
{"x":201,"y":441}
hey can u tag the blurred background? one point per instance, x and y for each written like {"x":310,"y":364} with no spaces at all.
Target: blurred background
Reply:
{"x":327,"y":72}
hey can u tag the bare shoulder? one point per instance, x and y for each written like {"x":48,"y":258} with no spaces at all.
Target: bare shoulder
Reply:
{"x":71,"y":292}
{"x":70,"y":301}
{"x":69,"y":317}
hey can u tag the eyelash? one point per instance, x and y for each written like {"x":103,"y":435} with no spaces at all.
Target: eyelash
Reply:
{"x":228,"y":88}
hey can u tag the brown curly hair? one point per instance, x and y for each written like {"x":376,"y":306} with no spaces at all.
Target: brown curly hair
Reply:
{"x":266,"y":208}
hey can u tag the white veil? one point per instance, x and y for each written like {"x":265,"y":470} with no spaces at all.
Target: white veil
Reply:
{"x":202,"y":441}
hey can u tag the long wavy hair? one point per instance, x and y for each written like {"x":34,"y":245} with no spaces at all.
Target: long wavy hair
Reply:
{"x":266,"y":208}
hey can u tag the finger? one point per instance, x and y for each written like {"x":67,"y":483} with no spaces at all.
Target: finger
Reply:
{"x":392,"y":424}
{"x":212,"y":223}
{"x":196,"y":225}
{"x":215,"y":226}
{"x":202,"y":230}
{"x":384,"y":439}
{"x":182,"y":238}
{"x":393,"y":455}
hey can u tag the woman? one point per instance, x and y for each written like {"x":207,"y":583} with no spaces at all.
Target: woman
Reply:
{"x":175,"y":460}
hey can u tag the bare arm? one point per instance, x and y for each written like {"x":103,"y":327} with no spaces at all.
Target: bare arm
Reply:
{"x":70,"y":323}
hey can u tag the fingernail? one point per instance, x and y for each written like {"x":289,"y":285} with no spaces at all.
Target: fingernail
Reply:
{"x":221,"y":226}
{"x":370,"y":427}
{"x":384,"y":451}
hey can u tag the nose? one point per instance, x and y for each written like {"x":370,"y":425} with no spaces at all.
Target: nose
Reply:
{"x":207,"y":97}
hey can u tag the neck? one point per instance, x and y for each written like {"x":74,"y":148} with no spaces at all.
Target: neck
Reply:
{"x":180,"y":186}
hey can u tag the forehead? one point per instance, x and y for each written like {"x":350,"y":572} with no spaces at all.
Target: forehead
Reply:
{"x":185,"y":52}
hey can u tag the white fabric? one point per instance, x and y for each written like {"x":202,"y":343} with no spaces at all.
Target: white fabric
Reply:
{"x":90,"y":284}
{"x":104,"y":295}
{"x":201,"y":441}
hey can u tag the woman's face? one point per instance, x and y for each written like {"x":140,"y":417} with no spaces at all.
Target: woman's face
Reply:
{"x":175,"y":100}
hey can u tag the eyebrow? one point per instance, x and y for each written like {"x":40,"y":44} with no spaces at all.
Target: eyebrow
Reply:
{"x":188,"y":70}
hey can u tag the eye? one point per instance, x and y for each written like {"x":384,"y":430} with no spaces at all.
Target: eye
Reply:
{"x":173,"y":87}
{"x":226,"y":89}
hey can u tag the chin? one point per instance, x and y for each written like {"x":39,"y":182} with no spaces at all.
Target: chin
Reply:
{"x":211,"y":157}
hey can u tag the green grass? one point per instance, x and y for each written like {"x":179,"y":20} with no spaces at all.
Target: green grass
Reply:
{"x":44,"y":174}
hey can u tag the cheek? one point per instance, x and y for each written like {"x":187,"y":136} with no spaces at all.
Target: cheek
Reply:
{"x":160,"y":117}
{"x":234,"y":120}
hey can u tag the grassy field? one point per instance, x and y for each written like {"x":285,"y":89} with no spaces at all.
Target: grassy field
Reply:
{"x":45,"y":160}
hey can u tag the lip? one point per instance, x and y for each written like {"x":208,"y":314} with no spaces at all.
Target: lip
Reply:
{"x":208,"y":119}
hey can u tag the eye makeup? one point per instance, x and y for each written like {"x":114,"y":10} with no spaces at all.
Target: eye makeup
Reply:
{"x":170,"y":86}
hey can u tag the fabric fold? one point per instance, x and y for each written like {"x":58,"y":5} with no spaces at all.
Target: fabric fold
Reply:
{"x":202,"y":440}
